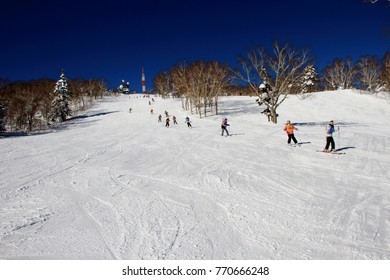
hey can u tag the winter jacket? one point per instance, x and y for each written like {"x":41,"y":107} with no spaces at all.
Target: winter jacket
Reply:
{"x":224,"y":124}
{"x":289,"y":128}
{"x":329,"y":130}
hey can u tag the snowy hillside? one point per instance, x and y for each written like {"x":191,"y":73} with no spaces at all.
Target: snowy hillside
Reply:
{"x":115,"y":185}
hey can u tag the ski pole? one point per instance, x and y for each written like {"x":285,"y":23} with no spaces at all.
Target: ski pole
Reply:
{"x":338,"y":134}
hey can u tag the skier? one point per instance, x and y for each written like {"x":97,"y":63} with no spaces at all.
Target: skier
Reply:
{"x":130,"y":110}
{"x":166,"y":114}
{"x":167,"y":122}
{"x":289,"y":128}
{"x":188,"y":122}
{"x":151,"y":111}
{"x":224,"y":126}
{"x":329,"y":138}
{"x":174,"y":120}
{"x":159,"y":118}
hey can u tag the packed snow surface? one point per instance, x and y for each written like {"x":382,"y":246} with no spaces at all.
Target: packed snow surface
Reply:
{"x":110,"y":184}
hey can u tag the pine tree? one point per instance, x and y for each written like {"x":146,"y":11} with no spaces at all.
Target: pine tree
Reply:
{"x":310,"y":80}
{"x":60,"y":104}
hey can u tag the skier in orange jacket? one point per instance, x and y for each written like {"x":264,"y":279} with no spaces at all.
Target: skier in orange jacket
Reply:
{"x":289,"y":128}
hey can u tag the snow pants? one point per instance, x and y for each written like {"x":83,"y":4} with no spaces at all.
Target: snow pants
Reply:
{"x":224,"y":129}
{"x":330,"y":142}
{"x":291,"y":137}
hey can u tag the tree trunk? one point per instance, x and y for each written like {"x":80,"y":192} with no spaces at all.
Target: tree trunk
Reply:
{"x":274,"y":115}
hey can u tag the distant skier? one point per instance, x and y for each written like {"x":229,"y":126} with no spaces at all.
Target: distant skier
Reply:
{"x":130,"y":110}
{"x":188,"y":122}
{"x":174,"y":120}
{"x":151,"y":111}
{"x":289,"y":128}
{"x":329,"y":137}
{"x":166,"y":114}
{"x":159,"y":118}
{"x":224,"y":125}
{"x":167,"y":122}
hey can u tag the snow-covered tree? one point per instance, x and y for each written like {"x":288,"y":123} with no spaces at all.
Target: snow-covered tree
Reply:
{"x":310,"y":80}
{"x":60,"y":104}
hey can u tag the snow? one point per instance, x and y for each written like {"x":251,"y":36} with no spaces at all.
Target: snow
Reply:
{"x":111,"y":184}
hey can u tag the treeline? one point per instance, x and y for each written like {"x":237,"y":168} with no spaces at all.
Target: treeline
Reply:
{"x":28,"y":106}
{"x":270,"y":75}
{"x":369,"y":73}
{"x":202,"y":79}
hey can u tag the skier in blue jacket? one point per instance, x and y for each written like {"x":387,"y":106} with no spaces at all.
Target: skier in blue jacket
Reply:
{"x":329,"y":138}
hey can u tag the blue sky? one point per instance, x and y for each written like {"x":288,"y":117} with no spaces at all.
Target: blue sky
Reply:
{"x":115,"y":39}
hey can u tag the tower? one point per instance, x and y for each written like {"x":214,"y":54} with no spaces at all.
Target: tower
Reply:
{"x":143,"y":82}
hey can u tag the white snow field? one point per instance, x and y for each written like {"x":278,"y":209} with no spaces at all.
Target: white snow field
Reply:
{"x":111,"y":184}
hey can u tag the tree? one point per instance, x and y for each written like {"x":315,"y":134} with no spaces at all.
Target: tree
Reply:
{"x":272,"y":75}
{"x":198,"y":84}
{"x":2,"y":116}
{"x":3,"y":84}
{"x":385,"y":72}
{"x":60,"y":105}
{"x":340,"y":74}
{"x":163,"y":83}
{"x":310,"y":81}
{"x":368,"y":73}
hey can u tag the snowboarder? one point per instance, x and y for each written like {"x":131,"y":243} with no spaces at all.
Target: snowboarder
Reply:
{"x":174,"y":120}
{"x":188,"y":122}
{"x":329,"y":138}
{"x":167,"y":122}
{"x":289,"y":128}
{"x":159,"y":118}
{"x":224,"y":126}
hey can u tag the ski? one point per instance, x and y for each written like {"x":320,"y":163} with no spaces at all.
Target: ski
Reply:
{"x":334,"y":153}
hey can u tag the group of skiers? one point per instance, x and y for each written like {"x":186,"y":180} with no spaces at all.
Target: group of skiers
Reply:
{"x":289,"y":129}
{"x":168,"y":120}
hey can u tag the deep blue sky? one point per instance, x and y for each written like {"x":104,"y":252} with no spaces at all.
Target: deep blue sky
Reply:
{"x":113,"y":39}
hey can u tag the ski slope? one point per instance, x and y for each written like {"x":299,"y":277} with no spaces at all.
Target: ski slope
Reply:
{"x":111,"y":184}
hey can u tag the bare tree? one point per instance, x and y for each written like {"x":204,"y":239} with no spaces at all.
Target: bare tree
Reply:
{"x":368,"y":73}
{"x":163,"y":83}
{"x":198,"y":85}
{"x":385,"y":72}
{"x":272,"y":75}
{"x":340,"y":75}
